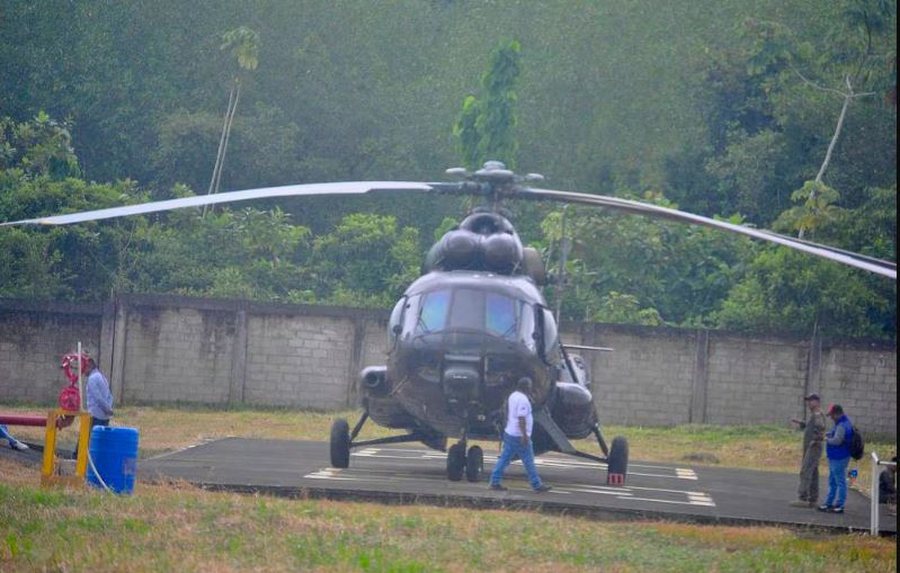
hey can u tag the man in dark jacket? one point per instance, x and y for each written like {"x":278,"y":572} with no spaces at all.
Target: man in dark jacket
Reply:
{"x":813,"y":436}
{"x":837,"y":450}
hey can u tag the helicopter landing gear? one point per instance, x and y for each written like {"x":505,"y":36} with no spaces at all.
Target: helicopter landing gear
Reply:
{"x":617,"y":462}
{"x":474,"y":464}
{"x":456,"y":461}
{"x":340,"y":444}
{"x":460,"y":463}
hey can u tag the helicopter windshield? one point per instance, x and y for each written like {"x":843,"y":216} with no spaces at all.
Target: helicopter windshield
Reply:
{"x":470,"y":309}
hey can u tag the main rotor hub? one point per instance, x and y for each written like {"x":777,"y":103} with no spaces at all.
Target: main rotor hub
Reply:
{"x":493,"y":181}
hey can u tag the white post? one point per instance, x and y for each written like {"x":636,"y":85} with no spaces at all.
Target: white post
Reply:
{"x":80,"y":384}
{"x":873,"y":496}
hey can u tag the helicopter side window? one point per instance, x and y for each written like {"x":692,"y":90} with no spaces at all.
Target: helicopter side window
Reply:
{"x":550,"y":342}
{"x":500,"y":315}
{"x":394,"y":321}
{"x":433,"y":315}
{"x":411,"y":315}
{"x":527,"y":326}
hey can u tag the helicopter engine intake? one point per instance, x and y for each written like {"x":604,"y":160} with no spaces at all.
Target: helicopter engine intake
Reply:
{"x":374,"y":380}
{"x":502,"y":253}
{"x":459,"y":248}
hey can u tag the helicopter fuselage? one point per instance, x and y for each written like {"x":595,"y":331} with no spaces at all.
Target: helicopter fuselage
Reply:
{"x":459,"y":342}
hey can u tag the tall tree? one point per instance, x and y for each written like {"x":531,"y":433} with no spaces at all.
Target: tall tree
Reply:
{"x":244,"y":46}
{"x":486,"y":126}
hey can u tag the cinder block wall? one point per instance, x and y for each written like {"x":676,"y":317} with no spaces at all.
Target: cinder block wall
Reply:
{"x":33,"y":339}
{"x":217,"y":352}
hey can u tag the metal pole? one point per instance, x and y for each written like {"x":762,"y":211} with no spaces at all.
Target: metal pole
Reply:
{"x":80,"y":384}
{"x":873,"y":496}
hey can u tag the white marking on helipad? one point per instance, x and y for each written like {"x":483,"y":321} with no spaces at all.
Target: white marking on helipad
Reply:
{"x":391,"y":453}
{"x":647,"y":494}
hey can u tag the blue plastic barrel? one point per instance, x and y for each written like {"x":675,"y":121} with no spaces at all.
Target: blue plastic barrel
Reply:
{"x":114,"y":452}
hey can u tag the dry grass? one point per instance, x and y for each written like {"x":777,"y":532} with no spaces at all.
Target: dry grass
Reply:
{"x":180,"y":528}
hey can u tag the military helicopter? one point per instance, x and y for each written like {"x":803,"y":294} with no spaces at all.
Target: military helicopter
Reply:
{"x":475,"y":322}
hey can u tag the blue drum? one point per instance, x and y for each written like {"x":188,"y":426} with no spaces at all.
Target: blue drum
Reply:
{"x":114,"y":452}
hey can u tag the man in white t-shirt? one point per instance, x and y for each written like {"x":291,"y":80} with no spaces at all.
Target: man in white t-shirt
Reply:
{"x":517,"y":438}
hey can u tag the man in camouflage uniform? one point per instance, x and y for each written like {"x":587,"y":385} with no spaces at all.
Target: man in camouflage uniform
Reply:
{"x":813,"y":436}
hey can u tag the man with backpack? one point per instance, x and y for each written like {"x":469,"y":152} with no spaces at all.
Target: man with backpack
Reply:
{"x":837,"y":450}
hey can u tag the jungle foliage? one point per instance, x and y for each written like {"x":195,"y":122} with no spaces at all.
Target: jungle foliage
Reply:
{"x":776,"y":114}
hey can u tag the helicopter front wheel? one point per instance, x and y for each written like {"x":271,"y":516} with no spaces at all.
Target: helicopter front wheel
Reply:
{"x":340,"y":444}
{"x":474,"y":464}
{"x":456,"y":461}
{"x":617,"y":462}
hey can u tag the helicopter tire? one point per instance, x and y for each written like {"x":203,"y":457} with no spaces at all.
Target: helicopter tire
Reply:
{"x":617,"y":461}
{"x":340,"y":444}
{"x":474,"y":464}
{"x":456,"y":461}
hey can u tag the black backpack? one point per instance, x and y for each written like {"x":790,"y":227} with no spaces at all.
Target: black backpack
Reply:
{"x":857,"y":444}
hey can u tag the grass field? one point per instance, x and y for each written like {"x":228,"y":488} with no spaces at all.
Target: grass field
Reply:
{"x":180,"y":528}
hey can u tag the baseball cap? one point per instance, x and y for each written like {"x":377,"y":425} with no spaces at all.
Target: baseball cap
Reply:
{"x":812,"y":396}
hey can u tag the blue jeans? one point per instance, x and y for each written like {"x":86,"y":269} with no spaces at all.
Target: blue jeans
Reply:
{"x":4,"y":434}
{"x":512,"y":446}
{"x":837,"y":482}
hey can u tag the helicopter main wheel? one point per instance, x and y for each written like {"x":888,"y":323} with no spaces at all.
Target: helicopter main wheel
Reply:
{"x":474,"y":464}
{"x":617,"y":462}
{"x":340,"y":444}
{"x":456,"y":461}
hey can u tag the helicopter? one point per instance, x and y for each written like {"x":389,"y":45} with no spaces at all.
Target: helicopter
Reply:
{"x":475,"y":322}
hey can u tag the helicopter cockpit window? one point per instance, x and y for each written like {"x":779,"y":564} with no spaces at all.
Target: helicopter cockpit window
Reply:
{"x":468,"y":309}
{"x":500,"y":315}
{"x":433,"y":314}
{"x":474,"y":310}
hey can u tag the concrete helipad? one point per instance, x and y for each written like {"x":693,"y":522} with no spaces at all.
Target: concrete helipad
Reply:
{"x":415,"y":474}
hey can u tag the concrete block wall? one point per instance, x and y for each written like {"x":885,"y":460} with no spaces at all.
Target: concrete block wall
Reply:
{"x":175,"y":349}
{"x":298,"y":361}
{"x":33,"y":339}
{"x":755,"y":381}
{"x":863,"y":379}
{"x":179,"y":354}
{"x":646,"y":379}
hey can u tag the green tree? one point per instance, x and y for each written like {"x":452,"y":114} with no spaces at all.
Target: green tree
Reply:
{"x":486,"y":126}
{"x":366,"y":261}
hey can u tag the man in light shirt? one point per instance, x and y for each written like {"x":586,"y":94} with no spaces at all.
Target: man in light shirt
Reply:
{"x":517,"y":438}
{"x":99,"y":398}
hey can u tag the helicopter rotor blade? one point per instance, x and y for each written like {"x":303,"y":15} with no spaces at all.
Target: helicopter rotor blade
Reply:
{"x":343,"y":188}
{"x":881,"y":267}
{"x":877,"y":266}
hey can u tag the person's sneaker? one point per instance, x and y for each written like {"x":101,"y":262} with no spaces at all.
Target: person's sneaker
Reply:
{"x":837,"y":509}
{"x":824,"y":507}
{"x":498,"y":487}
{"x":19,"y":446}
{"x":542,"y":488}
{"x":803,"y":503}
